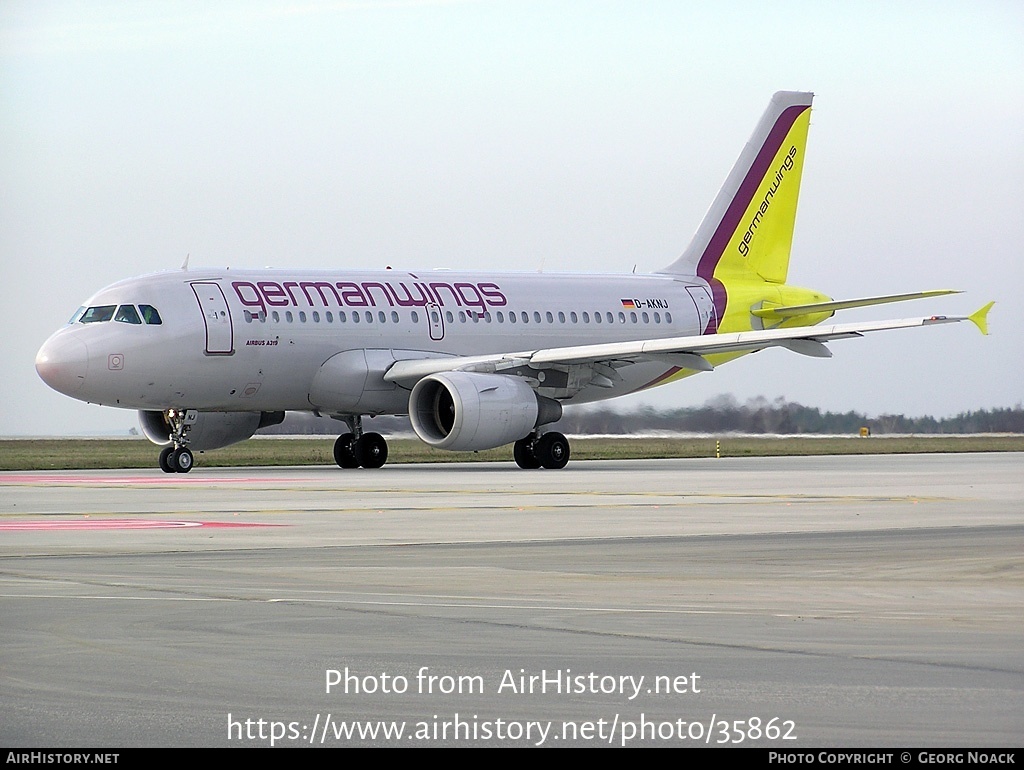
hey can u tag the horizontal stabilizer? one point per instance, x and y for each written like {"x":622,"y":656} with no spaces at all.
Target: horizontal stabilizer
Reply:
{"x":788,"y":311}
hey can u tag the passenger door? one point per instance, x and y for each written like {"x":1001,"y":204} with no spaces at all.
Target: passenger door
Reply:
{"x":220,"y":334}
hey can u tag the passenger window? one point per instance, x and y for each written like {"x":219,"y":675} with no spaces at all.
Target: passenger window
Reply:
{"x":415,"y":317}
{"x":277,"y":317}
{"x":98,"y":314}
{"x":394,"y":317}
{"x":316,"y":317}
{"x":381,"y":317}
{"x":668,"y":318}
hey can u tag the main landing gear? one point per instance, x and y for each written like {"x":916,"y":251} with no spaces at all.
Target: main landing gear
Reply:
{"x":176,"y":458}
{"x":550,"y":450}
{"x":357,"y":449}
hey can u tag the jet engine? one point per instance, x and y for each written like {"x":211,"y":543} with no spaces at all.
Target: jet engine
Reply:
{"x":466,"y":411}
{"x":209,"y":430}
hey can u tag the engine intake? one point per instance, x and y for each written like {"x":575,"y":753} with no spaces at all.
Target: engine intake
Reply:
{"x":466,"y":411}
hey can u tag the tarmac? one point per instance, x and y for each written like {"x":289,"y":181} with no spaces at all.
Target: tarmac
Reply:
{"x":867,"y":601}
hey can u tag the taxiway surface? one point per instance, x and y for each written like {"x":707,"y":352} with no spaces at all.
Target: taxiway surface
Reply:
{"x":836,"y":601}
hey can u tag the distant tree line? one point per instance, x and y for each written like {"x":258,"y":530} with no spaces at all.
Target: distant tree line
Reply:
{"x":722,"y":414}
{"x":725,"y":414}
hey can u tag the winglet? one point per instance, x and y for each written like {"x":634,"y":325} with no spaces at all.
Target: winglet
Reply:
{"x":980,"y":317}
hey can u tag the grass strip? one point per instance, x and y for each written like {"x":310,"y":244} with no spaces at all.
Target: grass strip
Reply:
{"x":76,"y":454}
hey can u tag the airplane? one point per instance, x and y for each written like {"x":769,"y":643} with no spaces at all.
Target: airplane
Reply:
{"x":476,"y":360}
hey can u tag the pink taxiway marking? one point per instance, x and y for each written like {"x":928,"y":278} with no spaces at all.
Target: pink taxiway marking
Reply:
{"x":163,"y":480}
{"x":108,"y":524}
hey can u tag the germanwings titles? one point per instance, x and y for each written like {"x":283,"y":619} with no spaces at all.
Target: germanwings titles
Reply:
{"x":477,"y":361}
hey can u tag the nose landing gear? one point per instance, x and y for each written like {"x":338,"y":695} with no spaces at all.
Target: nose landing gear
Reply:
{"x":178,"y":457}
{"x":176,"y":460}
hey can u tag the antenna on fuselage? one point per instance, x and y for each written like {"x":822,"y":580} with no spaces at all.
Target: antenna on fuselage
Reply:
{"x":184,"y":265}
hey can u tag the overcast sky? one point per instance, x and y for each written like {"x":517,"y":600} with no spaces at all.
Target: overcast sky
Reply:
{"x":554,"y":136}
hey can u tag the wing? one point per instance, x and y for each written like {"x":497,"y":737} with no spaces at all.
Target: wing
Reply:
{"x":683,"y":352}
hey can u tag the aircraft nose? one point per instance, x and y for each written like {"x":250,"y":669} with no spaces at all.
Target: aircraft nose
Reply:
{"x":62,"y":363}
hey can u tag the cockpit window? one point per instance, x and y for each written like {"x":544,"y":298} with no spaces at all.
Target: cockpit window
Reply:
{"x":128,"y":314}
{"x":149,"y":315}
{"x":77,"y":315}
{"x":98,"y":313}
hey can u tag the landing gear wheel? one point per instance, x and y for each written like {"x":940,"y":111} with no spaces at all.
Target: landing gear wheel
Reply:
{"x":181,"y":459}
{"x":344,"y":451}
{"x":165,"y":460}
{"x":524,"y":455}
{"x":552,"y":450}
{"x":371,"y":450}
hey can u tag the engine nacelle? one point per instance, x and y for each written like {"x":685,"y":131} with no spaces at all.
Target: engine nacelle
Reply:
{"x":466,"y":411}
{"x":209,"y":430}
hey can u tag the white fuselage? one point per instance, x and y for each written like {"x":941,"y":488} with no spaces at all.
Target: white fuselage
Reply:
{"x":256,"y":340}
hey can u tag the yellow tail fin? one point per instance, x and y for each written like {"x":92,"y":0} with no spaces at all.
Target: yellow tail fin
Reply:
{"x":747,"y":233}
